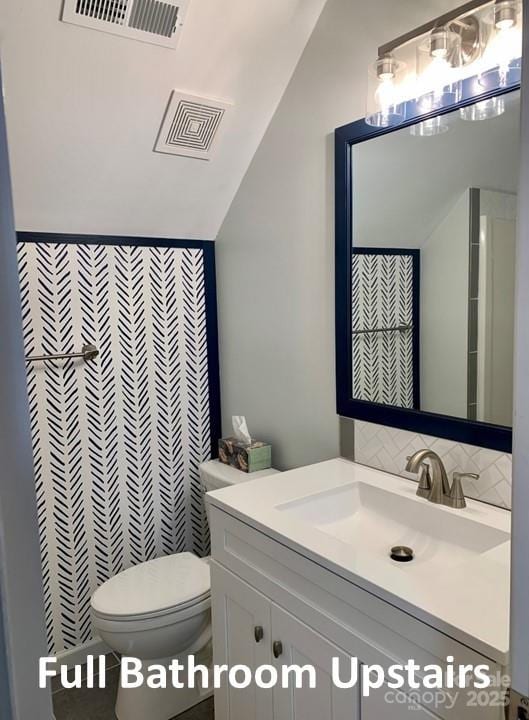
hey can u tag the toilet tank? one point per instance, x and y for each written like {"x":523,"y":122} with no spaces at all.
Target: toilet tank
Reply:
{"x":215,"y":475}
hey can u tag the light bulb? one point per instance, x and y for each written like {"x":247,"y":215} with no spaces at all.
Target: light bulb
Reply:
{"x":503,"y":49}
{"x":439,"y":70}
{"x":437,"y":85}
{"x":437,"y":75}
{"x":385,"y":95}
{"x":386,"y":110}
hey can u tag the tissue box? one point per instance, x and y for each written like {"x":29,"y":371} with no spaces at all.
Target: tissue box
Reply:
{"x":248,"y":458}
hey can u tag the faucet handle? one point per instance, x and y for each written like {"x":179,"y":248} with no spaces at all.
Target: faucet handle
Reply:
{"x":424,"y":487}
{"x":456,"y":499}
{"x":470,"y":476}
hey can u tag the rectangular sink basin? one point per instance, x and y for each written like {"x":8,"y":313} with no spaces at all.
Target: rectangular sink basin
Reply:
{"x":373,"y":520}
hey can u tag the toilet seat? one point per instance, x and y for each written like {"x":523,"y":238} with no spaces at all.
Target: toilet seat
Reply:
{"x":177,"y":609}
{"x":144,"y":623}
{"x":155,"y":592}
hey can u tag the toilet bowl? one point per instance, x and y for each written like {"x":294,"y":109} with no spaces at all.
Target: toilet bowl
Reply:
{"x":156,"y":612}
{"x":155,"y":608}
{"x":159,"y":611}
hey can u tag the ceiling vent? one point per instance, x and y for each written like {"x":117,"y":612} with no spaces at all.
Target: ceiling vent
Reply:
{"x":153,"y":21}
{"x":191,"y":126}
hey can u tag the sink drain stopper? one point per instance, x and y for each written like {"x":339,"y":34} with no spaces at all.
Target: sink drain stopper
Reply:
{"x":401,"y":553}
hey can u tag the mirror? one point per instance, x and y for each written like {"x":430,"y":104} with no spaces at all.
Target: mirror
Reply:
{"x":433,"y":255}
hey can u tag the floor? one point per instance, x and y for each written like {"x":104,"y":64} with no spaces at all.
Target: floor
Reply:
{"x":96,"y":704}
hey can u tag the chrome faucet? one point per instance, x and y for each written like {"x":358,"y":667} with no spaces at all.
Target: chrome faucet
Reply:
{"x":433,"y":480}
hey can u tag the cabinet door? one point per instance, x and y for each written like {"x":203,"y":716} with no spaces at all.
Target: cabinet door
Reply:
{"x":303,"y":646}
{"x":241,"y":635}
{"x":385,"y":704}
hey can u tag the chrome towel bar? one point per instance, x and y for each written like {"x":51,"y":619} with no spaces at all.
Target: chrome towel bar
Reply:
{"x":398,"y":328}
{"x":88,"y":352}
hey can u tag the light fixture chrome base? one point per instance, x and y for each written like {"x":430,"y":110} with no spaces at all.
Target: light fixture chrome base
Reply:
{"x":505,"y":13}
{"x":460,"y":20}
{"x":458,"y":43}
{"x":386,"y":67}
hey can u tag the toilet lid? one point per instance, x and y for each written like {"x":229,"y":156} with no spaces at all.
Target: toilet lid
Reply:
{"x":154,"y":586}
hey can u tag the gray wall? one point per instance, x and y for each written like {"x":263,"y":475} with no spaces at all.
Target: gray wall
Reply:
{"x":5,"y":693}
{"x":520,"y":497}
{"x":444,"y":325}
{"x":21,"y":601}
{"x":275,"y":250}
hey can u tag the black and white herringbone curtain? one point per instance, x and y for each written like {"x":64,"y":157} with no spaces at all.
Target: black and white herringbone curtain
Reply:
{"x":383,"y":362}
{"x":118,"y":440}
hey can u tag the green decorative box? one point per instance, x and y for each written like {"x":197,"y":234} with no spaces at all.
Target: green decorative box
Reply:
{"x":248,"y":458}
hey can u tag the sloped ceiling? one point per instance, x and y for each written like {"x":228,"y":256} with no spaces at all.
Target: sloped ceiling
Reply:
{"x":84,"y":109}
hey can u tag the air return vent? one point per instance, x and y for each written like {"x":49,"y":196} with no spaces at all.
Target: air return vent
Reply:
{"x":191,"y":126}
{"x":153,"y":21}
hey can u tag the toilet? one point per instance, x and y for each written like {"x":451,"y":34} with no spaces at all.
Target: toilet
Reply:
{"x":159,"y":611}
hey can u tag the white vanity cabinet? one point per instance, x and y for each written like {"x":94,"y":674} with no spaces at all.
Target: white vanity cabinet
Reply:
{"x":249,"y":628}
{"x":265,"y":593}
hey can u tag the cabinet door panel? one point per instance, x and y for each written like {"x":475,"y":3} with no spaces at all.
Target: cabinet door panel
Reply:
{"x":237,"y":610}
{"x":304,"y":646}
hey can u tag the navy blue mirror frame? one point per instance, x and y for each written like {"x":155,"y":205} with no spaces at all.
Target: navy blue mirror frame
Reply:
{"x":481,"y":434}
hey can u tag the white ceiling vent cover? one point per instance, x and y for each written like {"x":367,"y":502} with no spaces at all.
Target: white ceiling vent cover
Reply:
{"x":191,"y":126}
{"x":158,"y":22}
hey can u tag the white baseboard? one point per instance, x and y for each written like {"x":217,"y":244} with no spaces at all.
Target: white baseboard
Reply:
{"x":78,"y":655}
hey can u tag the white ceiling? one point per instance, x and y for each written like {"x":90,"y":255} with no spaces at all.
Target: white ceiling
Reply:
{"x":84,"y":109}
{"x":403,"y":186}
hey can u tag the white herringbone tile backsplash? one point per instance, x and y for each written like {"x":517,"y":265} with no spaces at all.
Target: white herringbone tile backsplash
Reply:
{"x":387,"y":448}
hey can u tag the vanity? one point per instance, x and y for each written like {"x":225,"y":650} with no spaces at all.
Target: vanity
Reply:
{"x":301,"y":573}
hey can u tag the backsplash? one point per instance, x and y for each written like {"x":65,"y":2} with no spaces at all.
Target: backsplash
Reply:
{"x":387,"y":448}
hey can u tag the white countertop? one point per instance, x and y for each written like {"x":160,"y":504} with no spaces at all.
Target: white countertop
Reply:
{"x":468,"y":599}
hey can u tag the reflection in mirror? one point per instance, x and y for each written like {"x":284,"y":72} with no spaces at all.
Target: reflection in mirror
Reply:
{"x":434,"y":225}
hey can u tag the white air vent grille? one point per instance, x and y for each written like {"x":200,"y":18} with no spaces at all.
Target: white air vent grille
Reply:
{"x":153,"y":21}
{"x":113,"y":11}
{"x":154,"y":17}
{"x":191,"y":126}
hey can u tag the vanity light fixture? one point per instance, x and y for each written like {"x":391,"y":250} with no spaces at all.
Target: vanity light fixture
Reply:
{"x":463,"y":53}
